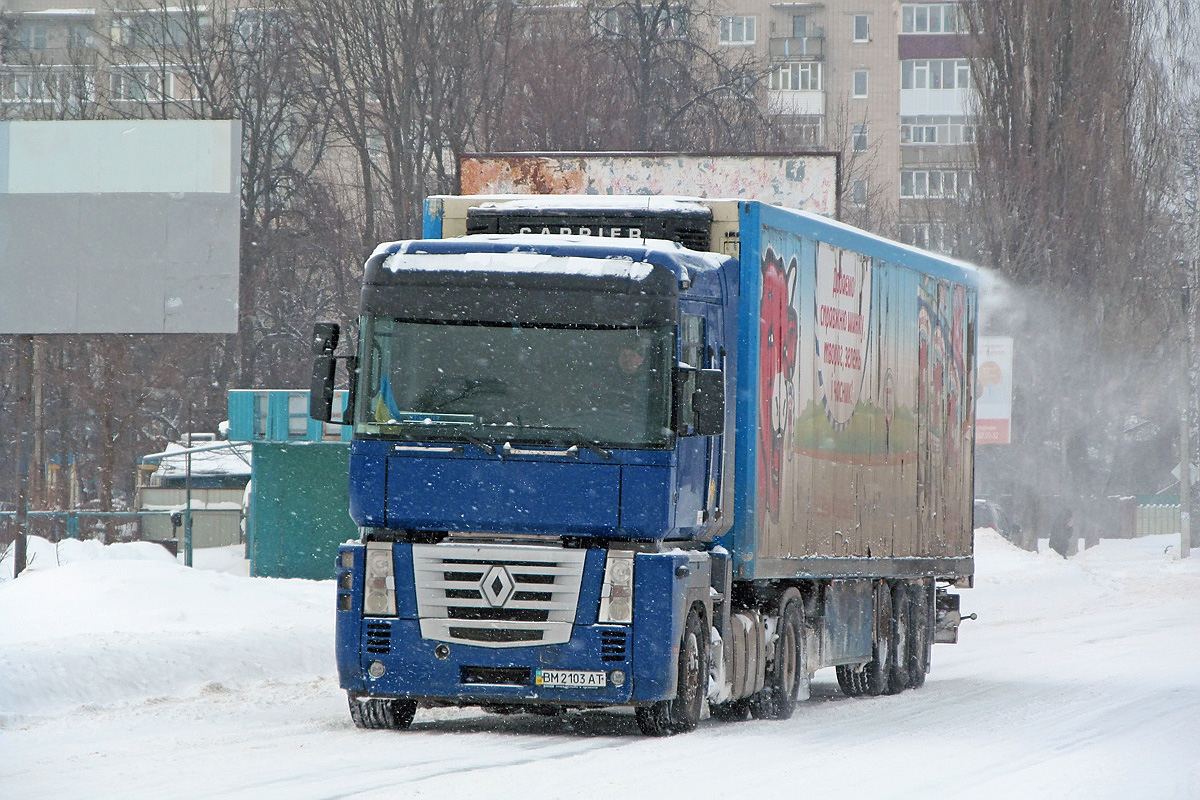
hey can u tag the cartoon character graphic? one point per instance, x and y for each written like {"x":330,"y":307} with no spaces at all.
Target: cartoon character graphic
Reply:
{"x":778,"y":336}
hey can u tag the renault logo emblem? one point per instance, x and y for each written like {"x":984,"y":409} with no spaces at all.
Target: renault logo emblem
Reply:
{"x":497,"y":585}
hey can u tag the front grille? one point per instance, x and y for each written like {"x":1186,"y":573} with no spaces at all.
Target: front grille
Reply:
{"x":379,"y":637}
{"x":497,"y":595}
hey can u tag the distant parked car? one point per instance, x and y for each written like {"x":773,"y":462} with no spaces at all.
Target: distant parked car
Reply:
{"x":989,"y":514}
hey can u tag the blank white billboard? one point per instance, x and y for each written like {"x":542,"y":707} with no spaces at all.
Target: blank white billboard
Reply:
{"x":119,"y":226}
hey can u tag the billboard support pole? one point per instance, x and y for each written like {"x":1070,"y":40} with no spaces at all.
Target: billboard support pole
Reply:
{"x":24,"y":387}
{"x":1185,"y":446}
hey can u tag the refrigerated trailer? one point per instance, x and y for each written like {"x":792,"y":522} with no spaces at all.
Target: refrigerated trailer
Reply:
{"x":661,"y":453}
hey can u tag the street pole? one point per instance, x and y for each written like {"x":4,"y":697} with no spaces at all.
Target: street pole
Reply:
{"x":187,"y":481}
{"x":1185,"y":505}
{"x":24,"y":387}
{"x":1185,"y":432}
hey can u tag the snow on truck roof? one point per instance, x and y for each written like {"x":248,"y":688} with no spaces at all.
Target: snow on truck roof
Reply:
{"x":543,"y":253}
{"x":594,"y":202}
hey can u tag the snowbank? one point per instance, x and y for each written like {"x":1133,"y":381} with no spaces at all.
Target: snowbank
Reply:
{"x":89,"y":624}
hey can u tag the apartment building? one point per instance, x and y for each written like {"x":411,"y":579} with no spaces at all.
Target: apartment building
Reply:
{"x":887,"y":83}
{"x":93,"y":58}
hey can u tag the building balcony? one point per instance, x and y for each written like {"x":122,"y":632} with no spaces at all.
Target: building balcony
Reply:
{"x":796,"y":103}
{"x":796,"y":48}
{"x":936,"y":102}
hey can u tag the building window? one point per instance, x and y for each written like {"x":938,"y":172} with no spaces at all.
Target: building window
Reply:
{"x":936,"y":236}
{"x":297,"y":415}
{"x":944,"y":130}
{"x":858,"y":192}
{"x":260,"y":415}
{"x":862,"y":28}
{"x":797,"y":76}
{"x":934,"y":184}
{"x":66,"y":88}
{"x":32,"y":37}
{"x":918,"y":134}
{"x":737,"y":30}
{"x":80,"y":37}
{"x":799,"y":26}
{"x":154,"y":29}
{"x":915,"y":233}
{"x":860,"y":83}
{"x":148,"y":83}
{"x":858,"y":139}
{"x":935,"y":73}
{"x":609,"y":22}
{"x":929,"y":18}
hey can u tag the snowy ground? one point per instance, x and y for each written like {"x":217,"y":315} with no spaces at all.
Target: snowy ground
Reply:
{"x":123,"y":674}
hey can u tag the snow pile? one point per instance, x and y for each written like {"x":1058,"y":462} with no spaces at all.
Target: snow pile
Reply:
{"x":89,"y":624}
{"x":123,"y":669}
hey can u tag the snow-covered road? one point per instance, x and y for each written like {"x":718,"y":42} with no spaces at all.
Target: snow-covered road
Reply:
{"x":136,"y":678}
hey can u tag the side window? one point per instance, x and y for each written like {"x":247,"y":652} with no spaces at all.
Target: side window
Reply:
{"x":691,"y":340}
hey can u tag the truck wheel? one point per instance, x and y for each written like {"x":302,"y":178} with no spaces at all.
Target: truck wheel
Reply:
{"x":900,"y":675}
{"x":787,"y":675}
{"x":922,"y":635}
{"x":877,"y":672}
{"x":850,"y":679}
{"x":733,"y":711}
{"x":381,"y":712}
{"x":682,"y":714}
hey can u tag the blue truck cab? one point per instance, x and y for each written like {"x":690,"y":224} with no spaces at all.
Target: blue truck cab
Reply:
{"x":557,"y":469}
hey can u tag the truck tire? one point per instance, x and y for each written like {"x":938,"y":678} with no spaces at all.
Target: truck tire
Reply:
{"x":900,"y":674}
{"x":787,"y":674}
{"x":731,"y":711}
{"x":850,"y":679}
{"x":921,"y":640}
{"x":878,"y":671}
{"x":381,"y":712}
{"x":682,"y":714}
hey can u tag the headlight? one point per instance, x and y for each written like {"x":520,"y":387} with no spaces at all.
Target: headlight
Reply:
{"x":616,"y":595}
{"x":379,"y":593}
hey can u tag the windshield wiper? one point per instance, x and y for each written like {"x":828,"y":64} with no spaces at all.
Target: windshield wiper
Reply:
{"x":580,"y":440}
{"x":475,"y":440}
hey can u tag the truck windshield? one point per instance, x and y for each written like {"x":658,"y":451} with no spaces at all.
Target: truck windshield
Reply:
{"x":499,"y":384}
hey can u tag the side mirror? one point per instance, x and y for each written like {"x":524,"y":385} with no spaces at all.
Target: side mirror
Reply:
{"x":320,"y":391}
{"x":325,"y":338}
{"x":708,"y":402}
{"x":699,"y":402}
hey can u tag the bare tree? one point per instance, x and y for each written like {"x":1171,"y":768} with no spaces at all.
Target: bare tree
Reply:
{"x":407,"y":85}
{"x":682,"y":90}
{"x":1074,"y":155}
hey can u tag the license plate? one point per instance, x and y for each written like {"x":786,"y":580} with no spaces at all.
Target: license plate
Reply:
{"x":576,"y":679}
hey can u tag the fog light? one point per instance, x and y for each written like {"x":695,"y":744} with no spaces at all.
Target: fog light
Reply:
{"x":376,"y":669}
{"x":617,"y":676}
{"x":619,"y":609}
{"x":442,"y":652}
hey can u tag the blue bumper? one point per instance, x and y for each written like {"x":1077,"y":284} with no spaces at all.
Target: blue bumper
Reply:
{"x":464,"y":674}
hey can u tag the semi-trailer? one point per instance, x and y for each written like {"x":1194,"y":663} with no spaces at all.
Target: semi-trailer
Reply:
{"x":672,"y":454}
